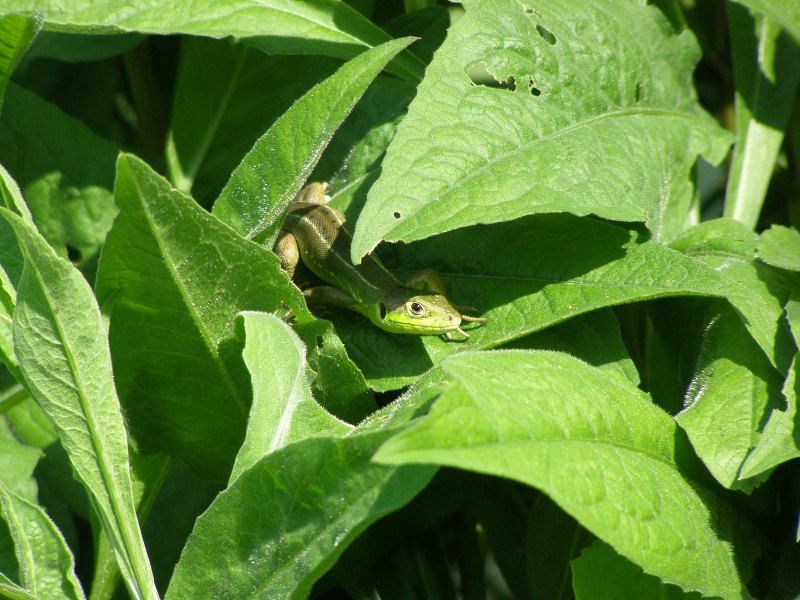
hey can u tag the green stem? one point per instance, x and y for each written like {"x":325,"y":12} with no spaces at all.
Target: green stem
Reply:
{"x":106,"y":572}
{"x":767,"y":69}
{"x":12,"y":397}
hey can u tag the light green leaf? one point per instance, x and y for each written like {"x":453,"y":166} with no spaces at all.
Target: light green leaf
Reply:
{"x":66,"y":176}
{"x":283,"y":409}
{"x":175,"y":278}
{"x":581,"y":265}
{"x":519,"y":103}
{"x":587,"y":438}
{"x":60,"y":342}
{"x":766,"y":65}
{"x":731,"y":387}
{"x":784,"y":12}
{"x":16,"y":34}
{"x":261,"y":188}
{"x":283,"y":522}
{"x":780,"y":247}
{"x":226,"y":95}
{"x":17,"y":462}
{"x":328,"y":27}
{"x":602,"y":574}
{"x":46,"y":566}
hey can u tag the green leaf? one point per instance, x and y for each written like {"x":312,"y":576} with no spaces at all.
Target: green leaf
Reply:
{"x":60,"y":342}
{"x":582,"y":264}
{"x":66,"y":176}
{"x":16,"y":34}
{"x":553,"y":539}
{"x":785,"y":13}
{"x":727,"y":397}
{"x":328,"y":27}
{"x":261,"y":188}
{"x":587,"y":438}
{"x":780,"y":247}
{"x":602,"y":574}
{"x":225,"y":96}
{"x":283,"y":409}
{"x":17,"y":462}
{"x":519,"y":103}
{"x":175,"y":278}
{"x":46,"y":566}
{"x":283,"y":522}
{"x":766,"y":65}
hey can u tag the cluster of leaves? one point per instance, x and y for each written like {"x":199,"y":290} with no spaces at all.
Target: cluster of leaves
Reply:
{"x":624,"y":424}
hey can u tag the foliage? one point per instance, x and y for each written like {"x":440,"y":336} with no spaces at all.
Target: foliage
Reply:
{"x":612,"y":184}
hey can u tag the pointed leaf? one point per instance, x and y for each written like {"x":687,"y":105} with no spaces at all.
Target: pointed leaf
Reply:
{"x":519,"y":103}
{"x":46,"y":566}
{"x":588,"y":439}
{"x":16,"y":34}
{"x":283,"y":409}
{"x":175,"y":278}
{"x":261,"y":188}
{"x":283,"y":522}
{"x":60,"y":342}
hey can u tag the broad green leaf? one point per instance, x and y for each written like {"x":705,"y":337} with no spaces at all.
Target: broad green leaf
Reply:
{"x":729,"y":248}
{"x":553,"y":539}
{"x":175,"y":278}
{"x":602,"y":574}
{"x":328,"y":27}
{"x":283,"y":522}
{"x":77,"y":48}
{"x":581,"y":264}
{"x":283,"y":409}
{"x":592,"y":442}
{"x":60,"y":342}
{"x":518,"y":105}
{"x":728,"y":395}
{"x":784,"y":12}
{"x":46,"y":566}
{"x":17,"y":462}
{"x":779,"y":440}
{"x":261,"y":188}
{"x":780,"y":247}
{"x":66,"y":176}
{"x":16,"y":34}
{"x":226,"y":95}
{"x":766,"y":65}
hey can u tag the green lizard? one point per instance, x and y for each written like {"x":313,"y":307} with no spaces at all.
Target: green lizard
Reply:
{"x":316,"y":233}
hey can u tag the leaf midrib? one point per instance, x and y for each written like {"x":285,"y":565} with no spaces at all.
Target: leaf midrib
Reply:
{"x":204,"y":334}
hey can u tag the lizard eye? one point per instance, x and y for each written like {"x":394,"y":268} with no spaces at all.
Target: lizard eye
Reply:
{"x":416,"y":309}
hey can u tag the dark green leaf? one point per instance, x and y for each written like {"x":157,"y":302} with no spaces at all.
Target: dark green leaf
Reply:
{"x":16,"y":34}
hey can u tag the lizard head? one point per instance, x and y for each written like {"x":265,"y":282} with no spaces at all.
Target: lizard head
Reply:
{"x":408,"y":310}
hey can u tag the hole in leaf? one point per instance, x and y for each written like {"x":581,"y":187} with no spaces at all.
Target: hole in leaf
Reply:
{"x":637,"y":94}
{"x":320,"y":342}
{"x":397,"y":215}
{"x":73,"y":254}
{"x":383,"y":311}
{"x":546,"y":34}
{"x":534,"y":90}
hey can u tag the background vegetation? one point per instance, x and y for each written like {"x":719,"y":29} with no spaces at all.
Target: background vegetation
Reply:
{"x":614,"y":184}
